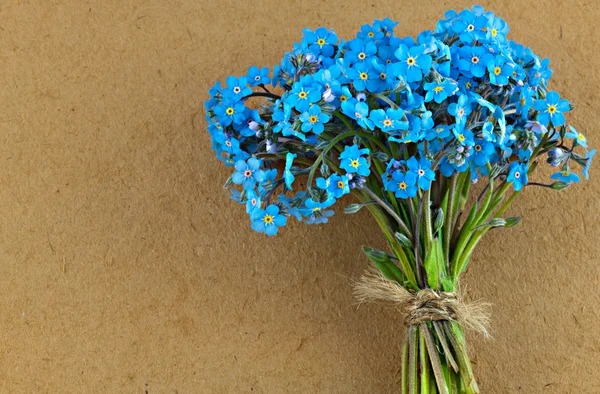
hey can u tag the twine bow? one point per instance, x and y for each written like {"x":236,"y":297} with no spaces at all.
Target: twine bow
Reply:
{"x":424,"y":305}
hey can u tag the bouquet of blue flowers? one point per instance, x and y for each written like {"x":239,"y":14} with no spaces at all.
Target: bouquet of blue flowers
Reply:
{"x":434,"y":136}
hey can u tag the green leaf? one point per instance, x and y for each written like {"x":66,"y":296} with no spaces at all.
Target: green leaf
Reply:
{"x":511,"y":222}
{"x":434,"y":264}
{"x":385,"y":264}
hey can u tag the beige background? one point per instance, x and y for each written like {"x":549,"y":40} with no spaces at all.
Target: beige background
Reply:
{"x":124,"y":268}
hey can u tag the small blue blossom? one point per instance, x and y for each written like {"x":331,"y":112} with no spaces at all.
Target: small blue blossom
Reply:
{"x":287,"y":173}
{"x":237,"y":88}
{"x":517,"y":174}
{"x":565,"y":176}
{"x":460,"y":110}
{"x":336,"y":185}
{"x":360,"y":75}
{"x":422,"y":171}
{"x":464,"y":136}
{"x":403,"y":185}
{"x":588,"y":163}
{"x":578,"y":137}
{"x":390,"y":119}
{"x":352,"y":160}
{"x":248,"y":173}
{"x":473,"y":61}
{"x":316,"y":212}
{"x":482,"y":151}
{"x":321,"y":41}
{"x":439,"y":91}
{"x":268,"y":220}
{"x":230,"y":112}
{"x":358,"y":111}
{"x":258,"y":76}
{"x":551,"y":109}
{"x":301,"y":97}
{"x":413,"y":62}
{"x":253,"y":201}
{"x":314,"y":120}
{"x":360,"y":52}
{"x":499,"y":70}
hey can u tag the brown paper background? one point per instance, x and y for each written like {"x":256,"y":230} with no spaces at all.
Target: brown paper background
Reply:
{"x":124,"y":267}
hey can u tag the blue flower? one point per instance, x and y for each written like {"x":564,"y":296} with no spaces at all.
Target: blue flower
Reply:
{"x":414,"y":62}
{"x":499,"y":69}
{"x":422,"y":171}
{"x":252,"y":201}
{"x":229,"y":112}
{"x":352,"y":161}
{"x":360,"y":52}
{"x":525,"y":101}
{"x":403,"y":185}
{"x":371,"y":32}
{"x":565,"y":176}
{"x":461,"y":110}
{"x":389,"y":119}
{"x":300,"y":97}
{"x":497,"y":30}
{"x":464,"y":136}
{"x":360,"y":75}
{"x":258,"y":77}
{"x":517,"y":174}
{"x":321,"y":41}
{"x":473,"y":61}
{"x":551,"y":109}
{"x":267,"y":220}
{"x":482,"y":152}
{"x":577,"y":136}
{"x":439,"y":91}
{"x":292,"y":204}
{"x":315,"y":211}
{"x":469,"y":26}
{"x":586,"y":168}
{"x":287,"y":173}
{"x":336,"y":185}
{"x":248,"y":173}
{"x":237,"y":88}
{"x":358,"y":111}
{"x":314,"y":120}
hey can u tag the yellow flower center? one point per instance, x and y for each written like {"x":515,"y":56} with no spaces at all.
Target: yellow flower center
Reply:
{"x":461,"y":137}
{"x":268,"y":219}
{"x":497,"y":70}
{"x":316,"y":209}
{"x":302,"y":95}
{"x":341,"y":184}
{"x":388,"y":122}
{"x":354,"y":163}
{"x":494,"y":32}
{"x":382,"y":76}
{"x":247,"y":173}
{"x":313,"y":119}
{"x":438,"y":89}
{"x":468,"y":85}
{"x":522,"y":101}
{"x":477,"y":148}
{"x":371,"y":34}
{"x":230,"y":111}
{"x":402,"y":185}
{"x":410,"y":61}
{"x":362,"y":56}
{"x":364,"y":76}
{"x":321,"y":42}
{"x":474,"y":60}
{"x":580,"y":137}
{"x":552,"y":109}
{"x":566,"y":173}
{"x":470,"y":28}
{"x":461,"y":112}
{"x":343,"y":98}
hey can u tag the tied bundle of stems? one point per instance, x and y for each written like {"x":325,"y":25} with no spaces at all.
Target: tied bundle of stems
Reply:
{"x":407,"y":127}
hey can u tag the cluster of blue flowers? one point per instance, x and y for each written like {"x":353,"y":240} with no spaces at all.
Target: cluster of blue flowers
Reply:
{"x":392,"y":111}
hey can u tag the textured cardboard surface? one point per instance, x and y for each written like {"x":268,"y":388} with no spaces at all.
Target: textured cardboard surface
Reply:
{"x":124,"y":268}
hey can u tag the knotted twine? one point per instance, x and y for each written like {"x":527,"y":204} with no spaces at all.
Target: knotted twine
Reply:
{"x":425,"y":304}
